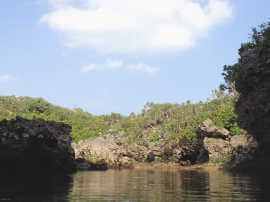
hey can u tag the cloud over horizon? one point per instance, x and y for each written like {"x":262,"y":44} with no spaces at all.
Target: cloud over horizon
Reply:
{"x":141,"y":26}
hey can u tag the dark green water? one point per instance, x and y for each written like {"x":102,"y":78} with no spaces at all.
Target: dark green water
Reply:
{"x":140,"y":185}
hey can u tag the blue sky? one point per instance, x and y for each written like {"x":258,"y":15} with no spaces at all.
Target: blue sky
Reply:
{"x":115,"y":55}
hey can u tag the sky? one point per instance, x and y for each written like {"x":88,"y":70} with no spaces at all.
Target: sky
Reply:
{"x":115,"y":55}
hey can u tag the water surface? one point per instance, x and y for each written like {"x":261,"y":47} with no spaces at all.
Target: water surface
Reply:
{"x":141,"y":185}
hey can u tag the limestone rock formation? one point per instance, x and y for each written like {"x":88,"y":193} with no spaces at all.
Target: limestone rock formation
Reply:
{"x":35,"y":146}
{"x":107,"y":148}
{"x":239,"y":148}
{"x":217,"y":148}
{"x":244,"y":148}
{"x":117,"y":153}
{"x":113,"y":150}
{"x":83,"y":164}
{"x":216,"y":140}
{"x":209,"y":129}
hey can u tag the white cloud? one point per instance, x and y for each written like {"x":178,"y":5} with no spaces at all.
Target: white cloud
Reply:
{"x":6,"y":78}
{"x":114,"y":64}
{"x":121,"y":26}
{"x":109,"y":64}
{"x":89,"y":68}
{"x":142,"y":68}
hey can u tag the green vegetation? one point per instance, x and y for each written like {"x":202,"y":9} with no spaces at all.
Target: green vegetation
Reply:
{"x":156,"y":122}
{"x":249,"y":77}
{"x":235,"y":75}
{"x":84,"y":125}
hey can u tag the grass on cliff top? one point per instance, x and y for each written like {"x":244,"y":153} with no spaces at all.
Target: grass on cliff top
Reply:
{"x":156,"y":122}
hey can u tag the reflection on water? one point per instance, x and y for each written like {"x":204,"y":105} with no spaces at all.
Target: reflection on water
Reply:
{"x":137,"y":185}
{"x":163,"y":185}
{"x":35,"y":188}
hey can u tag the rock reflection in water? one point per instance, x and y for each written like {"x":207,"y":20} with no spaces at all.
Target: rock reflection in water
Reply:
{"x":215,"y":185}
{"x":125,"y":184}
{"x":135,"y":185}
{"x":162,"y":185}
{"x":35,"y":188}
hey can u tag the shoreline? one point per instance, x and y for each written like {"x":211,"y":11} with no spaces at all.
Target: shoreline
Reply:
{"x":173,"y":166}
{"x":166,"y":166}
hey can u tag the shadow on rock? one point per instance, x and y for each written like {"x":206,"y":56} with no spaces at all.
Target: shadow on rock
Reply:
{"x":35,"y":146}
{"x":83,"y":164}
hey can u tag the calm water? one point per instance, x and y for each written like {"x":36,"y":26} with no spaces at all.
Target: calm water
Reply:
{"x":139,"y":185}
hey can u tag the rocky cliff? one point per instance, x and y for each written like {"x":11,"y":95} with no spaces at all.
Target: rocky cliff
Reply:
{"x":250,"y":76}
{"x":115,"y":152}
{"x":35,"y":146}
{"x":224,"y":148}
{"x":253,"y":106}
{"x":214,"y":143}
{"x":250,"y":79}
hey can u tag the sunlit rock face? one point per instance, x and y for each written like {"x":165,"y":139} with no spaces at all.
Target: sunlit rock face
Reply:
{"x":215,"y":139}
{"x":219,"y":145}
{"x":115,"y":152}
{"x":35,"y":146}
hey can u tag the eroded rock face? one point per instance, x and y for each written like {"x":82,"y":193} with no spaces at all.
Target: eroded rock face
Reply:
{"x":216,"y":140}
{"x":244,"y":148}
{"x":217,"y":147}
{"x":114,"y":150}
{"x":36,"y":146}
{"x":209,"y":129}
{"x":220,"y":145}
{"x":107,"y":148}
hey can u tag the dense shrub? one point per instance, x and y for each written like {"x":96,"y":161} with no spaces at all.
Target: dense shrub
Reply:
{"x":156,"y":122}
{"x":235,"y":74}
{"x":250,"y":77}
{"x":84,"y":125}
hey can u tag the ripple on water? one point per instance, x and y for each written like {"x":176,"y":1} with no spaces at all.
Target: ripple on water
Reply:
{"x":138,"y":185}
{"x":163,"y":185}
